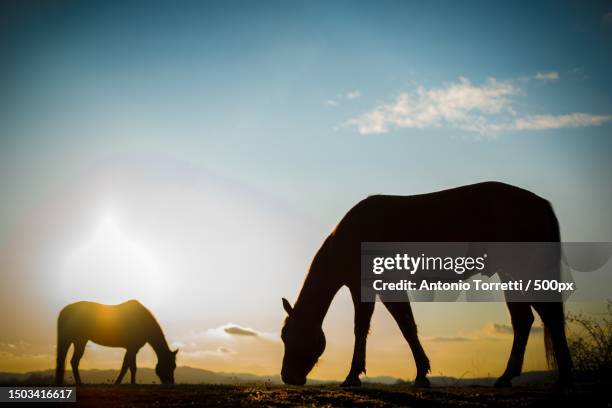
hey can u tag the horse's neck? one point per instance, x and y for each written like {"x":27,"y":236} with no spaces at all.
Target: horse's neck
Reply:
{"x":319,"y":289}
{"x":157,"y":340}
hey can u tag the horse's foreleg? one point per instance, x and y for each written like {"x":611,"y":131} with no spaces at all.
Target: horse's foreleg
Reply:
{"x":132,"y":363}
{"x":402,"y":313}
{"x":363,"y":316}
{"x":79,"y":349}
{"x":522,"y":319}
{"x":124,"y":367}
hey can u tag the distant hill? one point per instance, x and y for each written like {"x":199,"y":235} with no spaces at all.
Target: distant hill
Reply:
{"x":530,"y":378}
{"x":184,"y":375}
{"x":190,"y":375}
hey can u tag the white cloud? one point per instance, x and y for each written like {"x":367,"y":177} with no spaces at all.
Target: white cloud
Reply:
{"x":353,"y":94}
{"x":218,"y":352}
{"x":331,"y":102}
{"x":484,"y":109}
{"x":547,"y":76}
{"x":495,"y":329}
{"x":572,"y":120}
{"x":375,"y":121}
{"x":536,"y":122}
{"x":235,"y":330}
{"x":455,"y":103}
{"x":232,"y":331}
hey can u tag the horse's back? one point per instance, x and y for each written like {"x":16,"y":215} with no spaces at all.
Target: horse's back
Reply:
{"x":489,"y":211}
{"x":110,"y":325}
{"x":86,"y":309}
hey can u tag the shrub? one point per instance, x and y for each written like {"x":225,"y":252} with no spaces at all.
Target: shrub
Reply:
{"x":591,"y":348}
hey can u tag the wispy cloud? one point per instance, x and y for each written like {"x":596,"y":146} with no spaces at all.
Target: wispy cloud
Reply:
{"x":547,"y":76}
{"x":236,"y":330}
{"x":454,"y":104}
{"x":232,"y":331}
{"x":452,"y":339}
{"x":177,"y":344}
{"x":572,"y":120}
{"x":22,"y":350}
{"x":353,"y":94}
{"x":489,"y":332}
{"x":218,"y":352}
{"x":495,"y":329}
{"x":486,"y":109}
{"x":348,"y":96}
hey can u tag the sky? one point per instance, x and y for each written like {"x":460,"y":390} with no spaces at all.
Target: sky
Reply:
{"x":195,"y":156}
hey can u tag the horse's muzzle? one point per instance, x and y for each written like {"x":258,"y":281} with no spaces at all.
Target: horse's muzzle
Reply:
{"x":293,"y":380}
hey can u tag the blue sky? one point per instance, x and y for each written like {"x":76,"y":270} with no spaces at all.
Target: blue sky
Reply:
{"x":299,"y":109}
{"x":245,"y":90}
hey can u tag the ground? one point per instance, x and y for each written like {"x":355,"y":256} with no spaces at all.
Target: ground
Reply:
{"x":332,"y":395}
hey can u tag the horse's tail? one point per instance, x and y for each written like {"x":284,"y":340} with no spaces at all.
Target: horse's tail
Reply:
{"x":63,"y":344}
{"x":556,"y":310}
{"x":551,"y":360}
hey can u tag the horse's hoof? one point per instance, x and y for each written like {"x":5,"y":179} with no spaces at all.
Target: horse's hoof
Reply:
{"x":351,"y":382}
{"x":502,"y":383}
{"x":421,"y":383}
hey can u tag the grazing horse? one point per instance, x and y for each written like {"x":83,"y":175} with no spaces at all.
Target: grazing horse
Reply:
{"x":129,"y":325}
{"x":484,"y":212}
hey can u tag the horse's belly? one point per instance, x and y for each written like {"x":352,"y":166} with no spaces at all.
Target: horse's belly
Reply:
{"x":117,"y":339}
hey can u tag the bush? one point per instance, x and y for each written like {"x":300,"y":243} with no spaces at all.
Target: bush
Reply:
{"x":591,"y":348}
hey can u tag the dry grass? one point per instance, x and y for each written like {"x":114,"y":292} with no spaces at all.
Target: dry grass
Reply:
{"x":592,"y":395}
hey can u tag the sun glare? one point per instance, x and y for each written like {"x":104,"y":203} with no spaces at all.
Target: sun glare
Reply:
{"x":111,"y":267}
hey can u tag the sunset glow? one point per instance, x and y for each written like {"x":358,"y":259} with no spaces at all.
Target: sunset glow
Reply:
{"x":195,"y":157}
{"x":111,"y":267}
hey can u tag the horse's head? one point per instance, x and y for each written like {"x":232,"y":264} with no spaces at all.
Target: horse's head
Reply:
{"x":165,"y":367}
{"x":304,"y":344}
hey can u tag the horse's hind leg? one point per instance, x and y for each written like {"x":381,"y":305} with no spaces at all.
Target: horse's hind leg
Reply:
{"x":402,"y":313}
{"x":363,"y":316}
{"x":62,"y":349}
{"x":522,"y":319}
{"x":553,"y":317}
{"x":79,"y":349}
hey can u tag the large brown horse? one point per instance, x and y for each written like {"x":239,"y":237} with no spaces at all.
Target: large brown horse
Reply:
{"x":485,"y":212}
{"x":129,"y":325}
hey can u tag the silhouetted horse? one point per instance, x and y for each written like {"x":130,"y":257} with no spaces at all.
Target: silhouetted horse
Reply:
{"x":485,"y":212}
{"x":129,"y":325}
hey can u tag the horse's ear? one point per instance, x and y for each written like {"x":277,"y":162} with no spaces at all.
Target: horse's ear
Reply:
{"x":175,"y":352}
{"x":287,"y":306}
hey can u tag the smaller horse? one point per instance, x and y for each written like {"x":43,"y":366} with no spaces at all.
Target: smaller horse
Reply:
{"x":129,"y":325}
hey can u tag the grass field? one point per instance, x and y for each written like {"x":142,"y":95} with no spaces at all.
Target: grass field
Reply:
{"x":332,"y":395}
